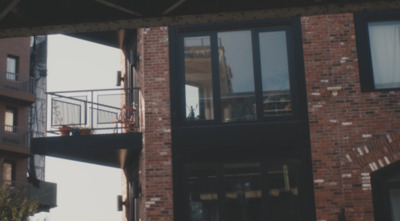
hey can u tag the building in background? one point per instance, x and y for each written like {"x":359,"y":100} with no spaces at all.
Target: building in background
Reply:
{"x":19,"y":92}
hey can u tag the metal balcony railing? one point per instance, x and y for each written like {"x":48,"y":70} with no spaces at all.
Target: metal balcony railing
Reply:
{"x":17,"y":83}
{"x":14,"y":135}
{"x":93,"y":111}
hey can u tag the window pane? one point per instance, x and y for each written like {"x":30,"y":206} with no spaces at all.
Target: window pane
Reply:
{"x":385,"y":53}
{"x":275,"y":74}
{"x":203,"y":195}
{"x":243,"y":195}
{"x":198,"y":78}
{"x":7,"y":171}
{"x":236,"y":76}
{"x":395,"y":203}
{"x":10,"y":120}
{"x":11,"y":68}
{"x":283,"y":193}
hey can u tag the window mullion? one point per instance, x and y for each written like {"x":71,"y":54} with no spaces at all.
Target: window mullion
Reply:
{"x":215,"y":77}
{"x":257,"y":74}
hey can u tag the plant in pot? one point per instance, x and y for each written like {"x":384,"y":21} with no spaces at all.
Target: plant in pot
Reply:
{"x":64,"y":130}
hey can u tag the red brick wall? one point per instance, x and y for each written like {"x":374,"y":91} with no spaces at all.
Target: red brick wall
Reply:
{"x":156,"y":202}
{"x":339,"y":124}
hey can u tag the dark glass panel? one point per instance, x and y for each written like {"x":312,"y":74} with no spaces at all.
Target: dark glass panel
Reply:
{"x":275,"y":74}
{"x":243,"y":195}
{"x":203,"y":195}
{"x":198,"y":79}
{"x":236,"y":76}
{"x":283,"y":193}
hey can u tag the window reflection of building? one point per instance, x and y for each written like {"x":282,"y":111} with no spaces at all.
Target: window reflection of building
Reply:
{"x":244,"y":72}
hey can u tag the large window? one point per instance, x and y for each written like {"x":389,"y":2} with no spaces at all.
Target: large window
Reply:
{"x":378,"y":44}
{"x":244,"y":191}
{"x":239,"y":74}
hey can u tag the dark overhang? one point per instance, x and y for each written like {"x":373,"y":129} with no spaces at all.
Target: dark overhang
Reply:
{"x":103,"y":149}
{"x":26,"y":18}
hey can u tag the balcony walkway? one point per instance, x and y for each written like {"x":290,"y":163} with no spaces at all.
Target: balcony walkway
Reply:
{"x":95,"y":127}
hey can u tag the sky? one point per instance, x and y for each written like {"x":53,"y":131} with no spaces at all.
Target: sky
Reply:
{"x":85,"y":192}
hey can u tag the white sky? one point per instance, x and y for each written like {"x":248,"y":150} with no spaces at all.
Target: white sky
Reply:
{"x":85,"y":192}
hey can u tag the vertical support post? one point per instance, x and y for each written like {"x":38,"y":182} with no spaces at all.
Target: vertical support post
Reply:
{"x":91,"y":117}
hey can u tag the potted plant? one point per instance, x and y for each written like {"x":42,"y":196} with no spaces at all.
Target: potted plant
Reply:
{"x":64,"y":130}
{"x":85,"y":131}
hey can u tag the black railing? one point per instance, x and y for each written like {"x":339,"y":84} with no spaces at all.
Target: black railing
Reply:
{"x":93,"y":111}
{"x":17,"y":83}
{"x":14,"y":135}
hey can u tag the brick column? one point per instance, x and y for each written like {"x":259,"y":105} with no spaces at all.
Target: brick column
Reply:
{"x":156,"y":201}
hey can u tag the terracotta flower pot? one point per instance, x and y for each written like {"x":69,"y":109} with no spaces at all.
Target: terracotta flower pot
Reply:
{"x":64,"y":130}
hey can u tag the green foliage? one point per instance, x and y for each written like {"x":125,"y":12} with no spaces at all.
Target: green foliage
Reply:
{"x":15,"y":204}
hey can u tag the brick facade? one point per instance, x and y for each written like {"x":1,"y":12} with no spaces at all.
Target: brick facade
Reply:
{"x":342,"y":126}
{"x":155,"y":165}
{"x":351,"y":131}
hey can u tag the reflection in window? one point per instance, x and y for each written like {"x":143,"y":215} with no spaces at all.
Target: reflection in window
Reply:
{"x":203,"y":195}
{"x":243,"y":198}
{"x":236,"y":76}
{"x":275,"y":74}
{"x":244,"y":191}
{"x":11,"y":68}
{"x":198,"y":78}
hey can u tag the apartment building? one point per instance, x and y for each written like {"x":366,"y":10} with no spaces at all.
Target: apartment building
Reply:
{"x":246,"y":110}
{"x":17,"y":96}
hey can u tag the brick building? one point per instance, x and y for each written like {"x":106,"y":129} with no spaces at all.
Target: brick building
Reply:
{"x":322,"y":143}
{"x":284,"y":110}
{"x":18,"y":93}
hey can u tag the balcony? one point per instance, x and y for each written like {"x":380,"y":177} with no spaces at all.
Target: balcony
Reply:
{"x":92,"y":126}
{"x":17,"y":86}
{"x":14,"y":139}
{"x":45,"y":193}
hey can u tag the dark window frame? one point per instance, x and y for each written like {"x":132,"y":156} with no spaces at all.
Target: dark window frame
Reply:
{"x":292,"y":28}
{"x":16,"y":58}
{"x":361,"y":20}
{"x":381,"y":183}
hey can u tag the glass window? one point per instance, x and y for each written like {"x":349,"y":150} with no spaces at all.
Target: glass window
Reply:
{"x":12,"y":64}
{"x":275,"y":74}
{"x":8,"y":171}
{"x":10,"y":120}
{"x":198,"y":78}
{"x":244,"y":191}
{"x":384,"y":42}
{"x":203,"y":194}
{"x":237,"y":75}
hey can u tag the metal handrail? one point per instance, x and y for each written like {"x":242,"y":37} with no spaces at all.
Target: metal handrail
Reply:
{"x":17,"y":83}
{"x":14,"y":135}
{"x":83,"y":108}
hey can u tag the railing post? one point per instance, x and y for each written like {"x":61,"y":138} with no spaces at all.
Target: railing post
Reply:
{"x":91,"y":121}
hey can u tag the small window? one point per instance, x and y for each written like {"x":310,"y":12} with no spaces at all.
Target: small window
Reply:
{"x":378,"y":44}
{"x":12,"y":68}
{"x":10,"y":122}
{"x":8,"y":171}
